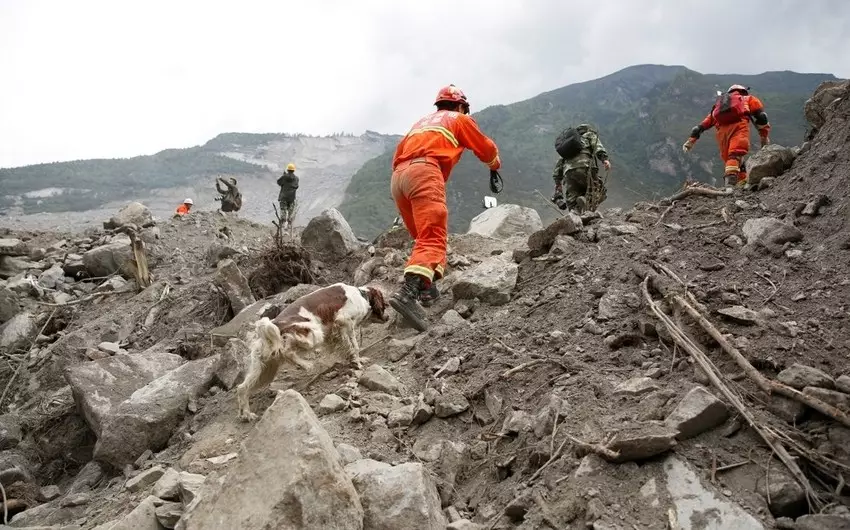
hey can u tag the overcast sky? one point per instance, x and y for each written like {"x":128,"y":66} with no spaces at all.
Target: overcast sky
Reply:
{"x":99,"y":79}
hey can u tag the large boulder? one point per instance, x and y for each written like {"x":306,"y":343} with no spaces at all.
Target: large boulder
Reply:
{"x":491,"y":281}
{"x":134,"y":402}
{"x":329,"y":234}
{"x":287,"y":475}
{"x":233,"y":283}
{"x":541,"y":241}
{"x":110,"y":258}
{"x":826,"y":94}
{"x":770,"y":161}
{"x":402,"y":497}
{"x":134,"y":213}
{"x":506,"y":220}
{"x":12,"y":266}
{"x":10,"y":246}
{"x":396,"y":237}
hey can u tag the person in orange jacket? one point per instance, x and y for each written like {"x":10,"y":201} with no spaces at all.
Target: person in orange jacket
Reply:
{"x":184,"y":208}
{"x":731,"y":115}
{"x":422,"y":163}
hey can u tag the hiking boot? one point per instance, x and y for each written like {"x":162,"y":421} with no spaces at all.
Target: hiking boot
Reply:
{"x":405,"y":302}
{"x":428,"y":296}
{"x":581,"y":205}
{"x":559,"y":201}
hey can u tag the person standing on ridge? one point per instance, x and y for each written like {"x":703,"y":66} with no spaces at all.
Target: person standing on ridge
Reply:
{"x":288,"y":183}
{"x":731,"y":115}
{"x":579,"y":148}
{"x":422,"y":163}
{"x":231,"y":197}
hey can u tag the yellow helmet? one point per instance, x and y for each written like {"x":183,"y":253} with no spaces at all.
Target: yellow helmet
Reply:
{"x":290,"y":167}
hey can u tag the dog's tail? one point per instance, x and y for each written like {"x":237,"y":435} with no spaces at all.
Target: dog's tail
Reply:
{"x":268,"y":338}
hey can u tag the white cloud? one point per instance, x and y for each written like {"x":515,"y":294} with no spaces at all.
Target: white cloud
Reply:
{"x":99,"y":78}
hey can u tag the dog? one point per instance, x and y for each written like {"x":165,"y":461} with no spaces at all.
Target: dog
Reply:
{"x":307,"y":324}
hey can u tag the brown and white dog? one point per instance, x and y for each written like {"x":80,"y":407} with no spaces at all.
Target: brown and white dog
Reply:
{"x":308,"y":324}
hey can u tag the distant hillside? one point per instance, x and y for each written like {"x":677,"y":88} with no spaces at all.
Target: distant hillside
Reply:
{"x":644,"y":114}
{"x":325,"y":165}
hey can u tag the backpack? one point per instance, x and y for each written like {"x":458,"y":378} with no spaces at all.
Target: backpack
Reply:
{"x":729,"y":108}
{"x":568,"y":144}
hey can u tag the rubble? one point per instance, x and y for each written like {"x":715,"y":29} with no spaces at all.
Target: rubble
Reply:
{"x":491,"y":281}
{"x":234,"y":285}
{"x":698,"y":412}
{"x":375,"y":377}
{"x":800,"y":376}
{"x":329,"y":234}
{"x":134,"y":213}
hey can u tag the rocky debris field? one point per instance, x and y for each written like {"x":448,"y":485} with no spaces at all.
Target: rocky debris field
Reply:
{"x":683,"y":364}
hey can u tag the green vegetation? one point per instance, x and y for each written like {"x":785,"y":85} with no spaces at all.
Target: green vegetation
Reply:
{"x":643,"y":113}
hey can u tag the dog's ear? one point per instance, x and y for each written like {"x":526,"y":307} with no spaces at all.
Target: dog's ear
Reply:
{"x":376,"y":301}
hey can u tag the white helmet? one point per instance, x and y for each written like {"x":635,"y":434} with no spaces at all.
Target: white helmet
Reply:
{"x":188,"y":201}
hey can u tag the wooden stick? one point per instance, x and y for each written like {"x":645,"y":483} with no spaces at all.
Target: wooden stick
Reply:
{"x":531,"y":363}
{"x":712,"y":371}
{"x":5,"y":507}
{"x":696,"y":190}
{"x":555,"y":456}
{"x":598,"y":449}
{"x":664,"y":214}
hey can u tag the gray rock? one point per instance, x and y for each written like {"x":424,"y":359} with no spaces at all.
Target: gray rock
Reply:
{"x":231,"y":366}
{"x":800,"y":376}
{"x":329,"y":234}
{"x":516,"y":422}
{"x":143,"y":517}
{"x":168,"y":485}
{"x":375,"y":377}
{"x":111,"y":348}
{"x":235,"y":286}
{"x":505,"y":221}
{"x":396,"y":237}
{"x":769,"y":232}
{"x":189,"y":486}
{"x":491,"y":281}
{"x":133,"y":402}
{"x":823,"y":522}
{"x":111,"y":258}
{"x":698,"y":412}
{"x":464,"y":524}
{"x":169,"y":513}
{"x":625,"y":229}
{"x":401,"y":417}
{"x":816,"y":107}
{"x":14,"y":467}
{"x":639,"y":441}
{"x":287,"y":475}
{"x":616,"y":304}
{"x":843,"y":384}
{"x":741,"y":314}
{"x":348,"y":454}
{"x":10,"y":432}
{"x":422,"y":412}
{"x":87,"y":478}
{"x":787,"y":498}
{"x":9,"y":305}
{"x":10,"y":246}
{"x":591,"y":465}
{"x":52,"y":276}
{"x":563,"y":246}
{"x":18,"y":332}
{"x":134,"y":213}
{"x":540,"y":242}
{"x":450,"y":404}
{"x":402,"y":497}
{"x":453,"y":319}
{"x":636,"y":386}
{"x":11,"y":266}
{"x":770,"y":161}
{"x":787,"y":409}
{"x":145,"y":479}
{"x":698,"y":507}
{"x":115,"y":284}
{"x":331,"y":403}
{"x":838,"y":400}
{"x":217,"y":252}
{"x":48,"y":493}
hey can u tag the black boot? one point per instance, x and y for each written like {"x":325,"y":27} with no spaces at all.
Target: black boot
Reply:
{"x":428,"y":296}
{"x":405,"y":301}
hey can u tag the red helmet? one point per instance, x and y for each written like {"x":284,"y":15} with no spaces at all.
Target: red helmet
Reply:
{"x":451,"y":93}
{"x":740,"y":88}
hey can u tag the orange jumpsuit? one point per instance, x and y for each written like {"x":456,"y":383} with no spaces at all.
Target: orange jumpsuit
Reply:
{"x":183,"y":209}
{"x":422,"y":163}
{"x":734,"y":139}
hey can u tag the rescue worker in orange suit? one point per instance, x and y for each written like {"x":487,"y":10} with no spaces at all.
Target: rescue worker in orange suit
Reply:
{"x":731,"y":115}
{"x":422,"y":163}
{"x":184,"y":208}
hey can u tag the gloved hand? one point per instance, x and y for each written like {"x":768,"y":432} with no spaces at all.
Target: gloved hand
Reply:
{"x":558,"y":198}
{"x":607,"y":164}
{"x":764,"y":140}
{"x":688,"y":145}
{"x":496,"y":184}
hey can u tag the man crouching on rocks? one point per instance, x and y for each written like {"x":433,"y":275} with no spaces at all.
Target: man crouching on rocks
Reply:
{"x":422,"y":164}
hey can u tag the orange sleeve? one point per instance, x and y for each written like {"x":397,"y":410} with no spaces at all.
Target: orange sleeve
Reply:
{"x":707,"y":122}
{"x":470,"y":136}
